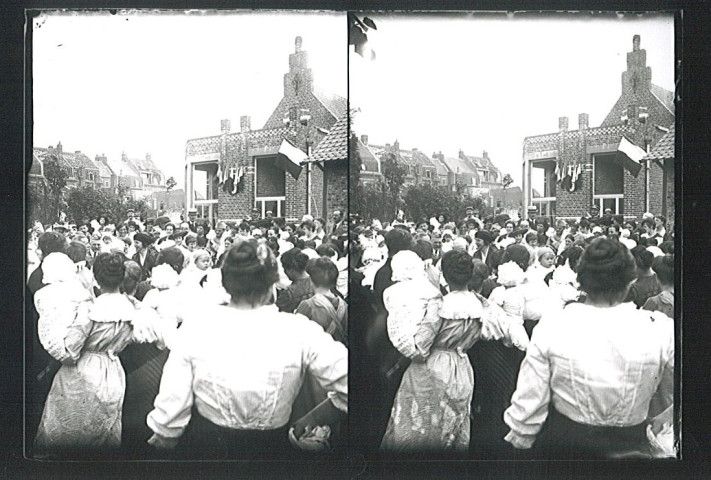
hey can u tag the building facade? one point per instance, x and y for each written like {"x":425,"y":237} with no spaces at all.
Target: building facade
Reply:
{"x":80,"y":170}
{"x":228,"y":175}
{"x":566,"y":172}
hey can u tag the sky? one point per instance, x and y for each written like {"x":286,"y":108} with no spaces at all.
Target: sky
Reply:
{"x":146,"y":82}
{"x":484,"y":82}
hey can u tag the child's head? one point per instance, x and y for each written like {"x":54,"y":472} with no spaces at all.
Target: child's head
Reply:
{"x":457,"y":268}
{"x":323,"y":272}
{"x":532,"y":239}
{"x":191,"y":241}
{"x":546,"y":257}
{"x":202,"y":259}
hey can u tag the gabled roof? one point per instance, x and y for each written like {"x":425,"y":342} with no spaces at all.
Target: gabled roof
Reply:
{"x":664,"y":149}
{"x":145,"y":165}
{"x":420,"y":158}
{"x":333,"y":146}
{"x":369,"y":161}
{"x":482,"y":162}
{"x":123,"y":169}
{"x":664,"y":96}
{"x":408,"y":157}
{"x":440,"y":166}
{"x":36,"y":168}
{"x":104,"y":170}
{"x":335,"y":104}
{"x":461,"y":166}
{"x":70,"y":160}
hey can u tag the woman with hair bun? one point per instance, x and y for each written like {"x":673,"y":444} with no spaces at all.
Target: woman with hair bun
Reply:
{"x":433,"y":404}
{"x":83,"y":409}
{"x":597,"y":380}
{"x":232,"y":376}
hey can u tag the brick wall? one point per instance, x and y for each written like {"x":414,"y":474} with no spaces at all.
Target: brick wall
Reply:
{"x":337,"y":182}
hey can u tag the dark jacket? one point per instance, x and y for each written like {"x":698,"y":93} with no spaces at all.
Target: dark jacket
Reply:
{"x":149,"y":262}
{"x":492,"y":257}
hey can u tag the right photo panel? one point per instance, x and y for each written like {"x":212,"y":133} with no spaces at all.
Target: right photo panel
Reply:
{"x":512,"y":247}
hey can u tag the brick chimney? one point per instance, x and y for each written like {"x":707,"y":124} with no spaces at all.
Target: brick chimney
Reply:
{"x":59,"y":147}
{"x":396,"y":146}
{"x":563,"y":124}
{"x":148,"y":157}
{"x":364,"y":139}
{"x":485,"y":155}
{"x":583,"y":121}
{"x":225,"y":125}
{"x":299,"y":78}
{"x":124,"y":157}
{"x":245,"y":123}
{"x":638,"y":76}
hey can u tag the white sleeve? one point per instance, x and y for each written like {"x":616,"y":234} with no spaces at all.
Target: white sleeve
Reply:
{"x":327,"y":362}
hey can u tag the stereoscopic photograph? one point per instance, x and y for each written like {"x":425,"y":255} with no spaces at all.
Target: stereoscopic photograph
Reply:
{"x":289,"y":237}
{"x":512,"y":265}
{"x":189,"y":180}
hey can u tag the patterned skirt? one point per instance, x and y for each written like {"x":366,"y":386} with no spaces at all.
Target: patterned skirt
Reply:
{"x":83,"y":408}
{"x":432,"y":406}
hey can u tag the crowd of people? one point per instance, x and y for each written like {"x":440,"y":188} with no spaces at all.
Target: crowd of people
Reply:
{"x":155,"y":339}
{"x":501,"y":338}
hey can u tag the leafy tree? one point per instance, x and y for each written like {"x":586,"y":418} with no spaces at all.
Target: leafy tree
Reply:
{"x":89,"y":203}
{"x":507,"y":181}
{"x":56,"y":181}
{"x":394,"y":175}
{"x":425,"y":201}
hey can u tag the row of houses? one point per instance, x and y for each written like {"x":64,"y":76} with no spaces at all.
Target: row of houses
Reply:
{"x":470,"y":174}
{"x":140,"y":176}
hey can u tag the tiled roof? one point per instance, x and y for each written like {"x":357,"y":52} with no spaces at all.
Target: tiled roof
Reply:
{"x":369,"y":161}
{"x":664,"y":96}
{"x":440,"y":166}
{"x":123,"y":169}
{"x":420,"y":158}
{"x":71,"y":160}
{"x":335,"y":104}
{"x":482,"y":162}
{"x":664,"y":149}
{"x":36,"y":166}
{"x":334,"y":146}
{"x":104,"y":171}
{"x":145,"y":165}
{"x":460,"y":166}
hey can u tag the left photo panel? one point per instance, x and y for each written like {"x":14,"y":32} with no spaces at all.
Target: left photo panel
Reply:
{"x":186,"y":206}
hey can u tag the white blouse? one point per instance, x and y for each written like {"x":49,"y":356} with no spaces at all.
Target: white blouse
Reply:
{"x":243,"y":369}
{"x":596,"y":366}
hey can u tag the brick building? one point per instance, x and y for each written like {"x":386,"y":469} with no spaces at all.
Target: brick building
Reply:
{"x":228,"y":175}
{"x":370,"y":168}
{"x":331,"y":158}
{"x":574,"y":169}
{"x":80,"y":170}
{"x":420,"y":169}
